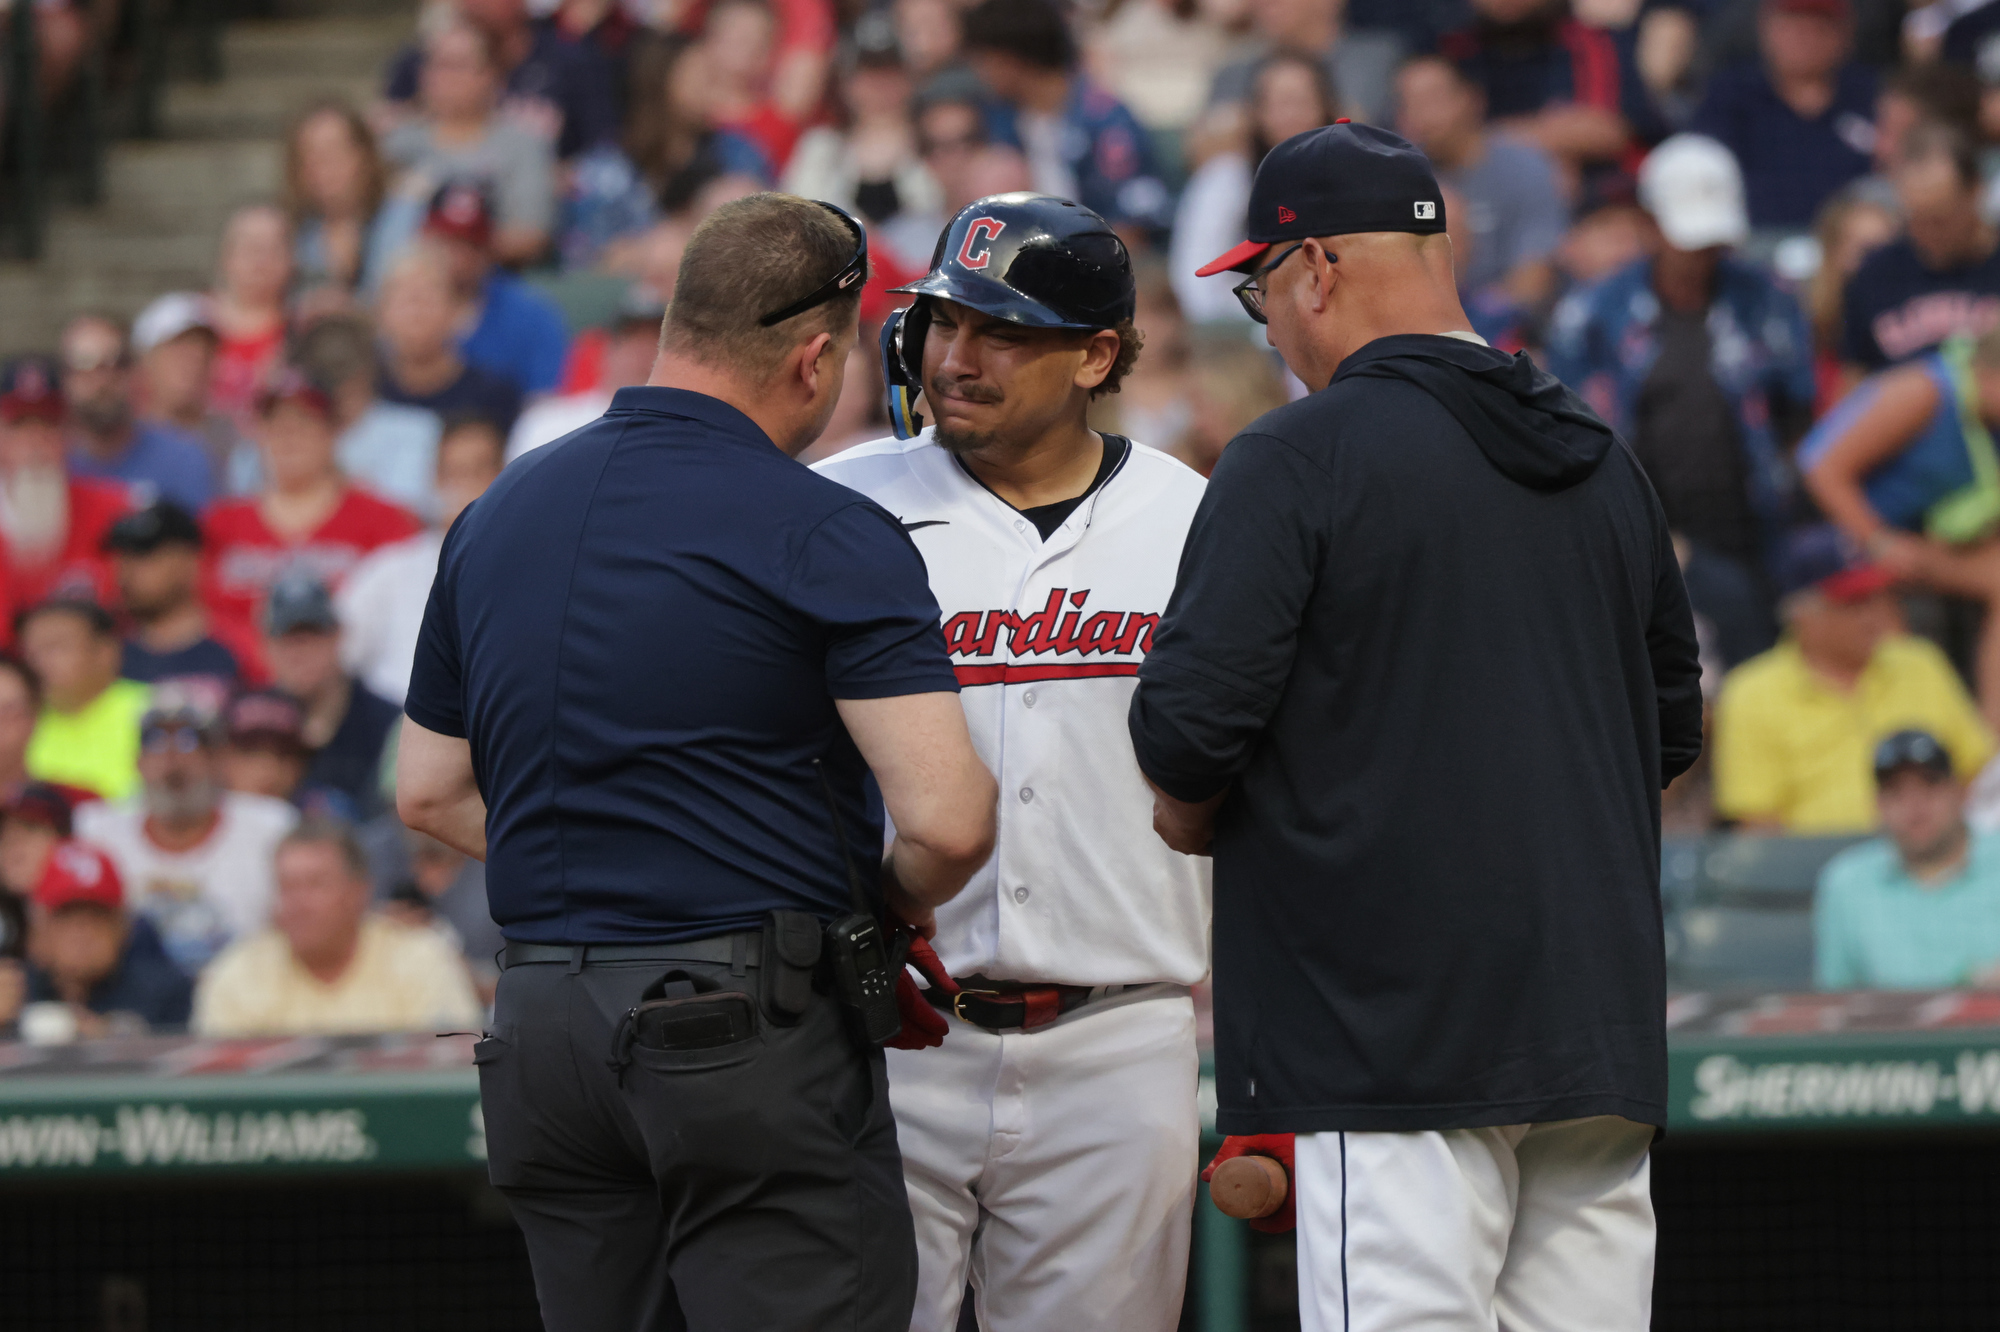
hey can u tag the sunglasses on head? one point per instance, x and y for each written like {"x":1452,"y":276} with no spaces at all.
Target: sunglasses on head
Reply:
{"x":853,"y":271}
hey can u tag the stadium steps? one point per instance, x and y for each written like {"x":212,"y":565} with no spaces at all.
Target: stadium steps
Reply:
{"x":221,"y":146}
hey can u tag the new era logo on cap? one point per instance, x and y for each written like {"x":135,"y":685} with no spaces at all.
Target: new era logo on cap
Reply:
{"x":1426,"y":210}
{"x":1286,"y":215}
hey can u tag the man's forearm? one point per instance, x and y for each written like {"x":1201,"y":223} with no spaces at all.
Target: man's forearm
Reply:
{"x":460,"y":824}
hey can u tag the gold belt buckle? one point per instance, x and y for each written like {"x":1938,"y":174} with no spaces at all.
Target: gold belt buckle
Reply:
{"x":963,"y":995}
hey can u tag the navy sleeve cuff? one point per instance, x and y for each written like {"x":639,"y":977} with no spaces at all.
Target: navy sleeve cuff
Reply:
{"x":434,"y":721}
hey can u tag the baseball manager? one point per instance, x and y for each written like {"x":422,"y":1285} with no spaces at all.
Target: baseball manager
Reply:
{"x":656,"y":657}
{"x":1427,"y":665}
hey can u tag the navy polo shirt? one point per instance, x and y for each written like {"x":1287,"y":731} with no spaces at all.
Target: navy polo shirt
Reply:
{"x":1790,"y":164}
{"x":642,"y":630}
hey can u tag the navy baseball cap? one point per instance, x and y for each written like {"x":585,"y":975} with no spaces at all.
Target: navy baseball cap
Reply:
{"x":1912,"y":749}
{"x":298,"y":600}
{"x":1821,"y":557}
{"x":1336,"y":180}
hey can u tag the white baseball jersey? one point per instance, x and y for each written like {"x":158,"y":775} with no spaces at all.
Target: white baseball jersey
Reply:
{"x":1046,"y":638}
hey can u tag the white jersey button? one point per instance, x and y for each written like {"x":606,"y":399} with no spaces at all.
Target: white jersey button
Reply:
{"x":1020,"y":894}
{"x":1027,"y":794}
{"x":1020,"y":525}
{"x":1029,"y":698}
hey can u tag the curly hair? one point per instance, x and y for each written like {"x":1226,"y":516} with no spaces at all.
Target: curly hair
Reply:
{"x":1130,"y":343}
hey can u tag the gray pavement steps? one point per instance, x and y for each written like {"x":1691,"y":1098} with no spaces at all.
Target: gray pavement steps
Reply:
{"x":165,"y":200}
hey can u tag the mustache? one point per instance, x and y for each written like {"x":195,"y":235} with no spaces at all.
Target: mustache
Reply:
{"x":941,"y":388}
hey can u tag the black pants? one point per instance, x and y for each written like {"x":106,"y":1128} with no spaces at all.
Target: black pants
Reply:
{"x":752,"y":1186}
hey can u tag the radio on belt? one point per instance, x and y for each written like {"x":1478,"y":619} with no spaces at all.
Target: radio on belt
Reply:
{"x":864,"y":964}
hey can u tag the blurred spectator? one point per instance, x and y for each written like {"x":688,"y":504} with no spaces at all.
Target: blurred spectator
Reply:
{"x":35,"y":821}
{"x":869,"y":164}
{"x":51,"y":523}
{"x":389,"y":447}
{"x":175,"y":341}
{"x":1557,"y":82}
{"x":247,"y":308}
{"x":1796,"y":726}
{"x":1850,"y":228}
{"x":264,"y":749}
{"x":1152,"y":401}
{"x":335,"y":183}
{"x":928,"y":31}
{"x":346,"y":724}
{"x":1609,"y":232}
{"x":20,"y":704}
{"x":1232,"y":382}
{"x":767,"y":69}
{"x":1801,"y":122}
{"x":517,"y":333}
{"x":1360,"y":67}
{"x":1697,"y":358}
{"x":381,"y":607}
{"x":308,"y":514}
{"x":1287,"y":94}
{"x":1914,"y":95}
{"x":673,"y":148}
{"x":157,"y":553}
{"x":1894,"y":467}
{"x":104,"y":441}
{"x":421,"y":367}
{"x":328,"y":964}
{"x":88,"y":732}
{"x":1081,"y":143}
{"x":627,"y":361}
{"x":1919,"y":908}
{"x":461,"y":137}
{"x":446,"y":891}
{"x":560,"y":88}
{"x":195,"y":859}
{"x":1942,"y":277}
{"x":1514,"y":211}
{"x":951,"y":135}
{"x":1160,"y":58}
{"x":90,"y":953}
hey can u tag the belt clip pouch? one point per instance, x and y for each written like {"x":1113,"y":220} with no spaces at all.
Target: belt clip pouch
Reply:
{"x":792,"y":942}
{"x":682,"y":1012}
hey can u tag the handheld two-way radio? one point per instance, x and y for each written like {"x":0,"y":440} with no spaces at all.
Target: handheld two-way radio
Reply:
{"x":863,"y":961}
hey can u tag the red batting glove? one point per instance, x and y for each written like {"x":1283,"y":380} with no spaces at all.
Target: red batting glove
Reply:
{"x":924,"y":1027}
{"x":1277,"y":1146}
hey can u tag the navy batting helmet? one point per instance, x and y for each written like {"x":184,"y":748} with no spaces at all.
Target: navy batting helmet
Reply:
{"x":1030,"y":259}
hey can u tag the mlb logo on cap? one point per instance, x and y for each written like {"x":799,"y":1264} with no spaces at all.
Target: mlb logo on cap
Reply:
{"x":1426,"y":210}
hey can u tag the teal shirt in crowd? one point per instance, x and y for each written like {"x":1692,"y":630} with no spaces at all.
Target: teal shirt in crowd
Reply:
{"x":1877,"y":928}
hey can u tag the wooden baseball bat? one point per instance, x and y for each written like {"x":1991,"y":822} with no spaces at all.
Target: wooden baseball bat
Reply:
{"x":1249,"y":1187}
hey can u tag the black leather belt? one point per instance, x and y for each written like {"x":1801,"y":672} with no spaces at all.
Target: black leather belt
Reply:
{"x":745,"y":947}
{"x":1010,"y":1005}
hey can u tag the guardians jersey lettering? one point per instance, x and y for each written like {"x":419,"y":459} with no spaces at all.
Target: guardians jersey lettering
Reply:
{"x":1051,"y":629}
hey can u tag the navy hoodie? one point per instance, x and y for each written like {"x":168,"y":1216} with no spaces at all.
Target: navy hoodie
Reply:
{"x":1430,"y":636}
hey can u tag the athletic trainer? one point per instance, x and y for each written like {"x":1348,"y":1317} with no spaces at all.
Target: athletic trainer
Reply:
{"x":1426,"y":668}
{"x":1050,"y":1143}
{"x":659,"y":655}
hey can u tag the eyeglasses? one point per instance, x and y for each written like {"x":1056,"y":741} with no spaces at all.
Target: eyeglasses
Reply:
{"x":1251,"y":295}
{"x":180,"y":739}
{"x":855,"y":270}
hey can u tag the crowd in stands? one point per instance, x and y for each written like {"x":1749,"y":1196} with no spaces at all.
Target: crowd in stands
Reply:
{"x":1757,"y":236}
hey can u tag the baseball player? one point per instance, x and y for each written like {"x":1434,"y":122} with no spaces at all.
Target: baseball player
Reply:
{"x":1049,"y":1144}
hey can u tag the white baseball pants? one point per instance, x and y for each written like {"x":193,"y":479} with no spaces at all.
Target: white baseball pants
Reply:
{"x":1054,"y":1169}
{"x":1527,"y":1228}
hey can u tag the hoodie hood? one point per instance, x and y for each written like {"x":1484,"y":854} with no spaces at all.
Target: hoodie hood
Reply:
{"x":1532,"y":429}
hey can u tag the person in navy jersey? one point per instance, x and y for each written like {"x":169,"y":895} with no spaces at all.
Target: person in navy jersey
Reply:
{"x":1571,"y":88}
{"x":156,"y":558}
{"x":657,"y":658}
{"x":1940,"y":278}
{"x":1801,"y":121}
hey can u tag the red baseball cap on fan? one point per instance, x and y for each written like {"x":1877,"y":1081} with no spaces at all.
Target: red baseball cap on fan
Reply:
{"x":79,"y":874}
{"x":461,"y":210}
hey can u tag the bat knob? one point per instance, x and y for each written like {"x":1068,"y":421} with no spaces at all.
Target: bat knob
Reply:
{"x":1249,"y":1187}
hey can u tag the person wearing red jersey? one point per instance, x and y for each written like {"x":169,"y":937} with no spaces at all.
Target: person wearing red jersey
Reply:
{"x":51,"y":523}
{"x":307,"y":514}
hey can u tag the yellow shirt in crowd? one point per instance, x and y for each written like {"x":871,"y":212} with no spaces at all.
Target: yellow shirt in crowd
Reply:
{"x":401,"y":979}
{"x":95,"y":747}
{"x":1791,"y":747}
